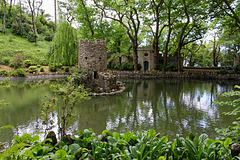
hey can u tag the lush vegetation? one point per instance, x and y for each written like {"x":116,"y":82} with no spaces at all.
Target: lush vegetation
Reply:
{"x":176,"y":29}
{"x":108,"y":145}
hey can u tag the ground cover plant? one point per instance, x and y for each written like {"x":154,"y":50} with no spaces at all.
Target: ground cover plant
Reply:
{"x":108,"y":145}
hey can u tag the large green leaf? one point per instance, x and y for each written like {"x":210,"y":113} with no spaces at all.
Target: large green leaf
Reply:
{"x":61,"y":153}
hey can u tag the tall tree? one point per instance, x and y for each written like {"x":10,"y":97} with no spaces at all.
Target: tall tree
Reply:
{"x":127,"y":13}
{"x":182,"y":37}
{"x":169,"y":22}
{"x":31,"y":4}
{"x":4,"y":16}
{"x":65,"y":44}
{"x":55,"y":12}
{"x":10,"y":8}
{"x":156,"y":6}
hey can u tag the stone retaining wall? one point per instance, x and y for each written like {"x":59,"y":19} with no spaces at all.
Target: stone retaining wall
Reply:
{"x":153,"y":75}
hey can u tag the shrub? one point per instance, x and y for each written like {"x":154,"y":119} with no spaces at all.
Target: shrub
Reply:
{"x":32,"y":69}
{"x":52,"y":67}
{"x":6,"y":60}
{"x":222,"y":71}
{"x":127,"y":66}
{"x":59,"y":65}
{"x":172,"y":67}
{"x":27,"y":63}
{"x":17,"y":61}
{"x":38,"y":66}
{"x":66,"y":69}
{"x":41,"y":69}
{"x":19,"y":73}
{"x":237,"y":69}
{"x":3,"y":72}
{"x":12,"y":65}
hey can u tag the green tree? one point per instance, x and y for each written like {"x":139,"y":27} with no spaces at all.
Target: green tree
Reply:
{"x":66,"y":97}
{"x":65,"y":45}
{"x":128,"y":14}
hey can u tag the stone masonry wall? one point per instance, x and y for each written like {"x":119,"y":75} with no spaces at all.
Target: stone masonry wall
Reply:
{"x":156,"y":75}
{"x":92,"y":55}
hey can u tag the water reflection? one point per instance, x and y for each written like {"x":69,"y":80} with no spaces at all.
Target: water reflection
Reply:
{"x":169,"y":106}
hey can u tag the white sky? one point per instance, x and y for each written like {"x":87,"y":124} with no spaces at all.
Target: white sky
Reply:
{"x":48,"y":6}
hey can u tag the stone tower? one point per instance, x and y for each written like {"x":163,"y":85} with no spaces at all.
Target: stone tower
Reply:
{"x":92,"y":55}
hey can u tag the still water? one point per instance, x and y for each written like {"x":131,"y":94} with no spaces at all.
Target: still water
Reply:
{"x":169,"y":106}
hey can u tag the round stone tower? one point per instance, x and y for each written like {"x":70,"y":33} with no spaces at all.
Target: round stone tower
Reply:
{"x":92,"y":55}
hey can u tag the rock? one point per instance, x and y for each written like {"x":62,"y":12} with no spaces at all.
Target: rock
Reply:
{"x":53,"y":136}
{"x":1,"y":146}
{"x":235,"y":149}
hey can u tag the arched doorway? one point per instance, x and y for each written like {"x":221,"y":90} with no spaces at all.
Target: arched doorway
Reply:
{"x":146,"y":65}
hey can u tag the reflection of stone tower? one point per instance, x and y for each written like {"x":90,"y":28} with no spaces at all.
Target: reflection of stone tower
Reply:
{"x":92,"y":55}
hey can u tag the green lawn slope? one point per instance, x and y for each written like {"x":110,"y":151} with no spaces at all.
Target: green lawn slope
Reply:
{"x":11,"y":44}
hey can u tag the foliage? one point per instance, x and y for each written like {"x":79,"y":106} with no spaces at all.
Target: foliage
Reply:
{"x":38,"y":66}
{"x":233,"y":99}
{"x":65,"y":45}
{"x":3,"y":72}
{"x":6,"y":60}
{"x":59,"y":65}
{"x":237,"y":69}
{"x":169,"y":67}
{"x":41,"y":69}
{"x":222,"y":71}
{"x":52,"y":67}
{"x":126,"y":66}
{"x":19,"y":73}
{"x":32,"y":69}
{"x":27,"y":63}
{"x":37,"y":54}
{"x":66,"y":69}
{"x":66,"y":97}
{"x":108,"y":145}
{"x":17,"y":60}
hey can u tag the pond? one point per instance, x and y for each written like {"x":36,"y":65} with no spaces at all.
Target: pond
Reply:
{"x":169,"y":106}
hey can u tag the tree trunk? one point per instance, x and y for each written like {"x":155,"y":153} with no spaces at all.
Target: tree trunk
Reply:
{"x":214,"y":52}
{"x":21,"y":27}
{"x":168,"y":38}
{"x":135,"y":55}
{"x":10,"y":9}
{"x":55,"y":13}
{"x":181,"y":38}
{"x":157,"y":7}
{"x":4,"y":16}
{"x":32,"y":8}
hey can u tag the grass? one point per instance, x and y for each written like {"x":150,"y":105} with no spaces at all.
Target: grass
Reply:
{"x":11,"y":44}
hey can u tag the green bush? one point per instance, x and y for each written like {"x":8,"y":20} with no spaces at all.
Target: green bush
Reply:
{"x":52,"y":67}
{"x":222,"y":71}
{"x":19,"y":73}
{"x":32,"y":69}
{"x":66,"y":69}
{"x":109,"y":145}
{"x":38,"y":66}
{"x":237,"y":69}
{"x":41,"y":69}
{"x":59,"y":65}
{"x":27,"y":63}
{"x":3,"y":72}
{"x":6,"y":60}
{"x":127,"y":66}
{"x":17,"y":60}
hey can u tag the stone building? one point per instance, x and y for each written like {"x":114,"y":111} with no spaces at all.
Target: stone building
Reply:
{"x":237,"y":59}
{"x":92,"y":56}
{"x":145,"y":58}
